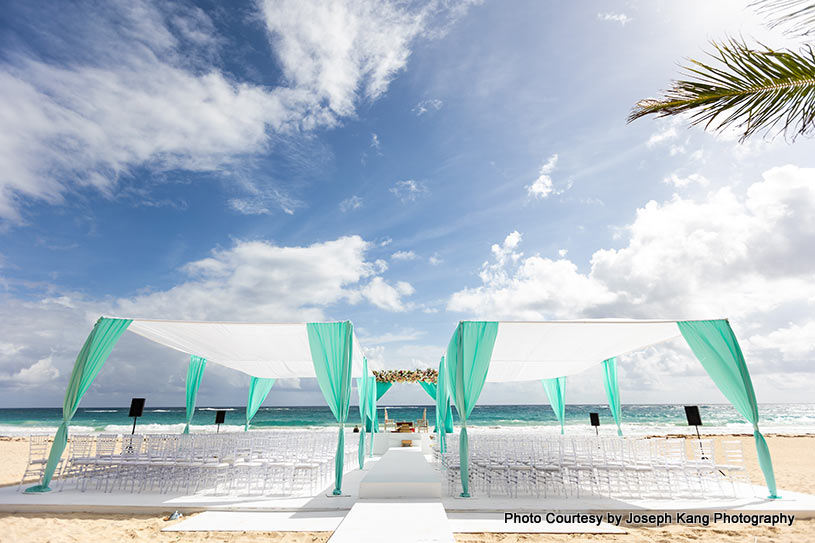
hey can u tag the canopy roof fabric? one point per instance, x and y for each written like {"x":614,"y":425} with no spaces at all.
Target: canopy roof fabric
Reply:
{"x":265,"y":350}
{"x":526,"y":351}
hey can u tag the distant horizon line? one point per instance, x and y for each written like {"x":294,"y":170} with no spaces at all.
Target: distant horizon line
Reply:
{"x":324,"y":406}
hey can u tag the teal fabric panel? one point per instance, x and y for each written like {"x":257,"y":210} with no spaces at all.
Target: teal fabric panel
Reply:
{"x":100,"y":342}
{"x":381,"y":389}
{"x":442,"y":406}
{"x":194,"y":373}
{"x":362,"y":389}
{"x":468,"y":360}
{"x":715,"y":345}
{"x":556,"y":393}
{"x":331,"y":345}
{"x":612,"y":391}
{"x":371,"y":413}
{"x":430,"y":388}
{"x":259,"y":388}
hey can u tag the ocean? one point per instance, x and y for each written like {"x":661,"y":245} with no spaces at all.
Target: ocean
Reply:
{"x":636,"y":419}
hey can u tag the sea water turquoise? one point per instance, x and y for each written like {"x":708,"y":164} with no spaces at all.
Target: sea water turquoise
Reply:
{"x":636,"y":419}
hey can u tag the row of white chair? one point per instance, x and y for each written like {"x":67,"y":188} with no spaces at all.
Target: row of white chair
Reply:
{"x":544,"y":465}
{"x":279,"y":463}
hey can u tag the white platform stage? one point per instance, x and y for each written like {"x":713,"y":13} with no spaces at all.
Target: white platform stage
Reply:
{"x":401,"y":473}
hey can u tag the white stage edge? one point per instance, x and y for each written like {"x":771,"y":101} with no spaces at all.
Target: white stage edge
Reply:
{"x":401,"y":473}
{"x":270,"y":521}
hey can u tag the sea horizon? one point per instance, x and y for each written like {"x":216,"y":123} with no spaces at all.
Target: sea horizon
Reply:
{"x":637,"y":419}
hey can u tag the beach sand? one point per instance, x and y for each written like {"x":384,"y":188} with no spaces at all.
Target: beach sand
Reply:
{"x":792,"y":457}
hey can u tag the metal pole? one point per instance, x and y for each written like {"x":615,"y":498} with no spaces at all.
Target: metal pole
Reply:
{"x":133,"y":431}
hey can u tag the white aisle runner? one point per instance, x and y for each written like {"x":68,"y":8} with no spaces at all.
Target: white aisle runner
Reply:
{"x":394,"y":521}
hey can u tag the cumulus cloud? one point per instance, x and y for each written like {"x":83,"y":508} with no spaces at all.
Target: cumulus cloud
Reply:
{"x":744,"y":256}
{"x":409,"y":190}
{"x":680,"y":182}
{"x":249,"y":281}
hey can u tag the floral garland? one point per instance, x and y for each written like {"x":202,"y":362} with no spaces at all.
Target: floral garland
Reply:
{"x":406,"y":376}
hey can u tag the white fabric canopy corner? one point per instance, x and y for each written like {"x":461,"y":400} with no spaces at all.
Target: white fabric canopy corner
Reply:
{"x":265,"y":350}
{"x":526,"y":351}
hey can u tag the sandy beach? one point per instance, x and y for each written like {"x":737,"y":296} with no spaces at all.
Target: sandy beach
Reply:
{"x":794,"y":469}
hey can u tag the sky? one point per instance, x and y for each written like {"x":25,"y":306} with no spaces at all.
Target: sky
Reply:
{"x":404,"y":165}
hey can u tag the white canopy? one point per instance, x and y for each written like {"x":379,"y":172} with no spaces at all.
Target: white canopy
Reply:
{"x":270,"y":350}
{"x":526,"y":351}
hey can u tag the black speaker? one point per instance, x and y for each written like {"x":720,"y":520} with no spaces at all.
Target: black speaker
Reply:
{"x":136,"y":407}
{"x":220,"y":417}
{"x":595,"y":419}
{"x":692,"y":414}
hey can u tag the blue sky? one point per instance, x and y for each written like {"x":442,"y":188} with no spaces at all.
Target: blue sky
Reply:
{"x":401,"y":165}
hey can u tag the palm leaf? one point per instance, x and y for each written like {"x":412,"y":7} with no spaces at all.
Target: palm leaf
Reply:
{"x":753,"y":90}
{"x":795,"y":17}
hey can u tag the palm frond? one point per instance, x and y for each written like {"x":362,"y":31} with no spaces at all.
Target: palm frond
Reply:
{"x":796,"y":17}
{"x":753,"y":90}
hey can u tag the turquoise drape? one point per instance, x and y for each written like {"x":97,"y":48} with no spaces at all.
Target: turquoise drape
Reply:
{"x":259,"y":388}
{"x":331,"y":345}
{"x":362,"y":388}
{"x":194,"y":373}
{"x":715,"y":345}
{"x":442,"y":406}
{"x":381,"y":389}
{"x":106,"y":332}
{"x":468,"y":359}
{"x":430,"y":388}
{"x":612,"y":391}
{"x":371,"y":413}
{"x":556,"y":393}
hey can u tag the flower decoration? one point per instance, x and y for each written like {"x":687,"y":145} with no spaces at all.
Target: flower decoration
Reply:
{"x":428,"y":375}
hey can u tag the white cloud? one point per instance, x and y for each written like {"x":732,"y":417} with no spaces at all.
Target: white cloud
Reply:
{"x":431,"y":104}
{"x":681,"y":182}
{"x":375,"y":141}
{"x":249,"y":281}
{"x":543,"y":186}
{"x":667,"y":133}
{"x":351,"y":204}
{"x":747,"y":257}
{"x":386,"y":296}
{"x":794,"y":342}
{"x":41,"y":371}
{"x":562,"y":253}
{"x":153,"y":97}
{"x":434,"y":260}
{"x":403,"y":255}
{"x":409,"y":190}
{"x":621,"y":18}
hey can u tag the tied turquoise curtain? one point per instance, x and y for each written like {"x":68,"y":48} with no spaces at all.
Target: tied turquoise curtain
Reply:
{"x":442,"y":407}
{"x":194,"y":373}
{"x":362,"y":388}
{"x":556,"y":392}
{"x":468,"y":359}
{"x":430,"y":388}
{"x":258,"y":390}
{"x":106,"y":332}
{"x":612,"y":391}
{"x":371,"y":413}
{"x":331,"y":345}
{"x":715,"y":345}
{"x":381,"y":389}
